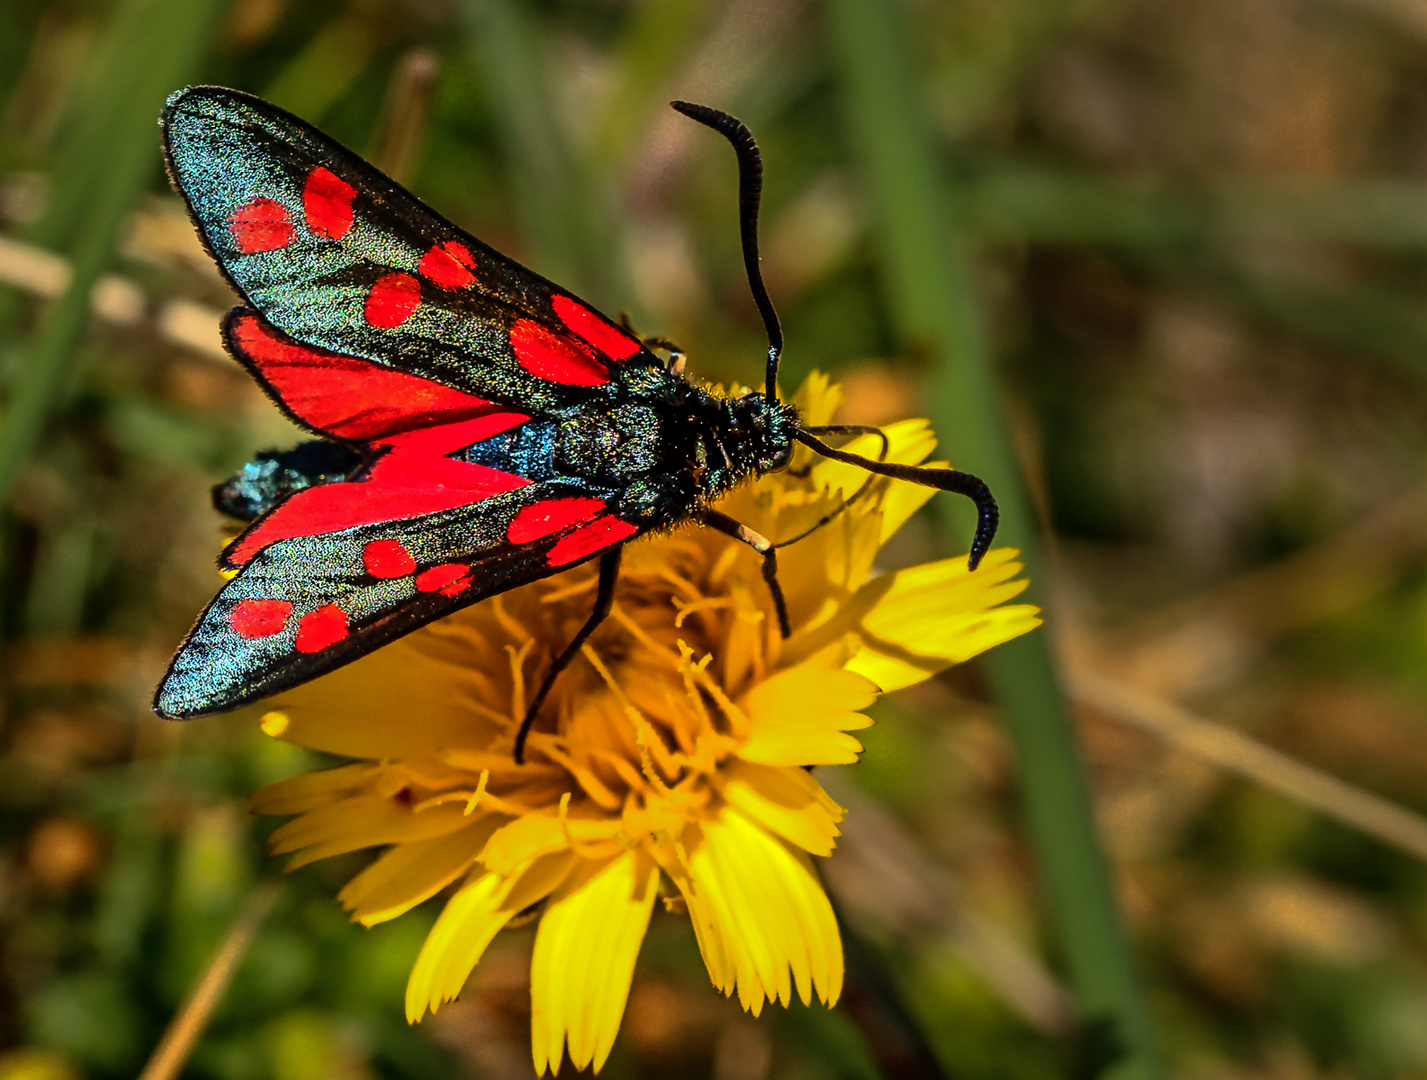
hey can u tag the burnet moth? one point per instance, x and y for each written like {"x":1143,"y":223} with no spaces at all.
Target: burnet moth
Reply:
{"x":478,"y":426}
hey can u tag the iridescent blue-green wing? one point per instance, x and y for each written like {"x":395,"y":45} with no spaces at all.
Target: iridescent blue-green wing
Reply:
{"x":334,"y":254}
{"x":306,"y":603}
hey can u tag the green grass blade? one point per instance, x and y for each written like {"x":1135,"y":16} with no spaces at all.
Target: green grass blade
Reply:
{"x":929,"y":278}
{"x":559,"y":199}
{"x":151,"y":46}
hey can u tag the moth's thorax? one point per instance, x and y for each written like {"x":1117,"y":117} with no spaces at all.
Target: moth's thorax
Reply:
{"x":662,"y":446}
{"x":610,"y":442}
{"x":706,"y":445}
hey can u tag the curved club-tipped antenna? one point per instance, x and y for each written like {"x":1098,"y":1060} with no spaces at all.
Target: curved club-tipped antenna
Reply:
{"x":988,"y":515}
{"x":750,"y":189}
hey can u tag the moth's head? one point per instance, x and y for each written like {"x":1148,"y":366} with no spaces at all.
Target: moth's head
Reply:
{"x":771,"y":425}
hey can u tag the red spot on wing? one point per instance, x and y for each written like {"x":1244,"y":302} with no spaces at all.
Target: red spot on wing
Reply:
{"x":260,"y":225}
{"x":351,"y":398}
{"x":318,"y":629}
{"x":552,"y":515}
{"x":392,"y":300}
{"x":387,"y":559}
{"x":610,"y":340}
{"x":447,"y":579}
{"x":448,"y":265}
{"x":558,"y":359}
{"x":327,"y":203}
{"x":259,"y":618}
{"x":601,"y":533}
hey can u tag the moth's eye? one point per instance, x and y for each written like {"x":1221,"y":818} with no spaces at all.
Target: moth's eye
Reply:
{"x":781,"y":457}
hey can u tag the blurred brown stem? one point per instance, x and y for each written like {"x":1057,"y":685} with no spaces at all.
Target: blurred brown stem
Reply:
{"x":405,"y":114}
{"x":1210,"y":638}
{"x":114,"y":298}
{"x":1224,"y":746}
{"x":193,"y":1015}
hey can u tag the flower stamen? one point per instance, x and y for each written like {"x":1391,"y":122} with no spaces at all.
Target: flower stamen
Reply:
{"x":475,"y":798}
{"x":644,"y":733}
{"x":512,"y":627}
{"x":708,"y":603}
{"x":517,"y":679}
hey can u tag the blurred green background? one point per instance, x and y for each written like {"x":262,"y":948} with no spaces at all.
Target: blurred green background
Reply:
{"x":1164,"y":261}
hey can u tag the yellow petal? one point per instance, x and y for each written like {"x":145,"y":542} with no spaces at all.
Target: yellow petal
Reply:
{"x":903,"y":499}
{"x":541,"y":877}
{"x":585,"y":949}
{"x":910,"y":442}
{"x":741,"y":654}
{"x":801,"y":716}
{"x":523,"y":839}
{"x":831,"y":563}
{"x":938,"y":614}
{"x":360,"y":822}
{"x":366,"y":710}
{"x":310,"y":790}
{"x":818,"y":571}
{"x":817,"y":400}
{"x":772,"y":911}
{"x":713,"y":947}
{"x":787,"y":801}
{"x":468,"y":923}
{"x":410,"y":873}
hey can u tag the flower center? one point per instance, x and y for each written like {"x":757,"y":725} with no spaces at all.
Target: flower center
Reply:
{"x":641,"y":721}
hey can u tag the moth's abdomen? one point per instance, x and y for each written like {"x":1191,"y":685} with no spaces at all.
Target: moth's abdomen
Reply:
{"x":527,"y":451}
{"x":275,"y":474}
{"x":605,"y":445}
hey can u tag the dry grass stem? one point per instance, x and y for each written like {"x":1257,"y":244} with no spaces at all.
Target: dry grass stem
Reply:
{"x":1231,"y":749}
{"x":1209,"y":639}
{"x":193,"y":1015}
{"x":115,"y":299}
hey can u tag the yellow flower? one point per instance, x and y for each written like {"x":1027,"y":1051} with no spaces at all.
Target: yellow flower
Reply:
{"x":670,"y":756}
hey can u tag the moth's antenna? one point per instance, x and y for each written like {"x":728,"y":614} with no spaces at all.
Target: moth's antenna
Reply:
{"x":750,"y":189}
{"x":988,"y":515}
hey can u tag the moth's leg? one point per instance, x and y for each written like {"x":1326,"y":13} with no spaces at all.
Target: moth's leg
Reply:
{"x":604,"y":600}
{"x":761,"y":544}
{"x":662,"y":343}
{"x":769,"y":550}
{"x":676,"y":354}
